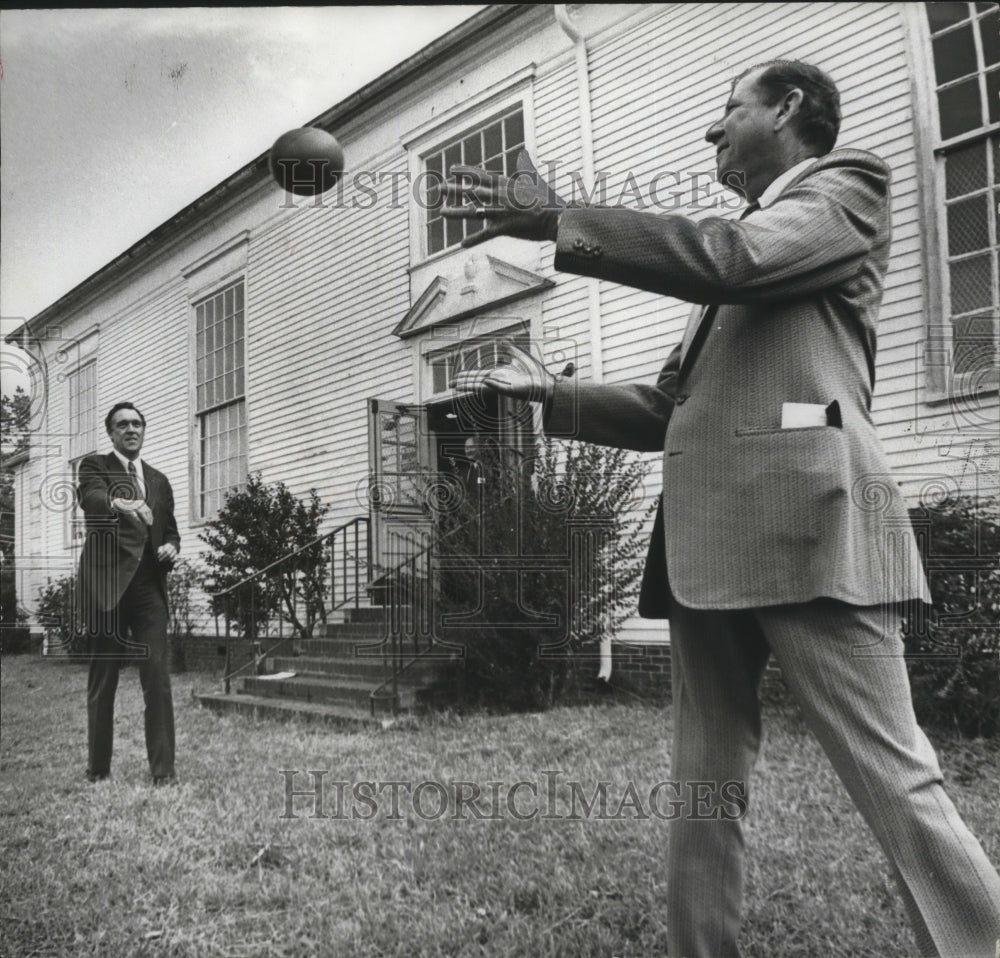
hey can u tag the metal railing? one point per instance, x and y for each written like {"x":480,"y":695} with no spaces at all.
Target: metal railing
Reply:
{"x":289,"y":597}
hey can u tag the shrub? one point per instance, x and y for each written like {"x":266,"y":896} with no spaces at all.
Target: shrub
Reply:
{"x":57,"y":613}
{"x":953,"y":654}
{"x":541,"y":560}
{"x":256,"y":527}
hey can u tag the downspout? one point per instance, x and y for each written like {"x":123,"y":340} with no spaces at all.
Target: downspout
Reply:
{"x":589,"y":177}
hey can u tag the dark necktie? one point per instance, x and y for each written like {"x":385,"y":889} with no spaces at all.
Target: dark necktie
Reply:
{"x":134,"y":479}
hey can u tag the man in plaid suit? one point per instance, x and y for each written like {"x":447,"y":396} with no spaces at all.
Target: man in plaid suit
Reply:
{"x":781,"y":531}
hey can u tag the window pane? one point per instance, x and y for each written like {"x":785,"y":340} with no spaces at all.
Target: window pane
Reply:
{"x":993,"y":95}
{"x":960,"y":108}
{"x":495,"y":164}
{"x":514,"y":128}
{"x":511,"y":161}
{"x":474,"y":150}
{"x":439,"y":382}
{"x":941,"y":15}
{"x":965,"y":171}
{"x":969,"y":225}
{"x":989,"y":30}
{"x":954,"y":54}
{"x":452,"y":157}
{"x":492,"y":141}
{"x":453,"y":231}
{"x":970,"y":285}
{"x":435,"y":236}
{"x":433,"y":197}
{"x":974,"y":343}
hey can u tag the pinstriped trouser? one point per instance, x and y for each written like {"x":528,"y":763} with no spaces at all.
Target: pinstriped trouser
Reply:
{"x":844,"y":664}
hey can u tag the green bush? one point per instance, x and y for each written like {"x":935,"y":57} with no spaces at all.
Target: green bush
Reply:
{"x":953,"y":652}
{"x":256,"y":527}
{"x":541,"y":560}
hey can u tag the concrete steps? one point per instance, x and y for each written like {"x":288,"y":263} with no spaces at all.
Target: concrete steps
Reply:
{"x":340,"y":676}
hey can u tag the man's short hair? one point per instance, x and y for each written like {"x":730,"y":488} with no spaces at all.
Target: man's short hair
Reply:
{"x":818,"y":120}
{"x":121,"y":405}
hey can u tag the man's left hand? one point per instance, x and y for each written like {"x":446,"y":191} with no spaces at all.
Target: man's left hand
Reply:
{"x":167,"y":553}
{"x":523,"y":205}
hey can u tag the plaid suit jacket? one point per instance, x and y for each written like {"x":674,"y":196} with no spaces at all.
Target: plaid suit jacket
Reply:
{"x":753,"y":514}
{"x":114,"y":545}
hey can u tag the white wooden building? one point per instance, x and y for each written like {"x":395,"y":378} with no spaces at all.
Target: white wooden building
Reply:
{"x":253,"y":328}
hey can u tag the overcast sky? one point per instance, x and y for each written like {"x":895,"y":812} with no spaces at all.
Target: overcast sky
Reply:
{"x":113,"y":120}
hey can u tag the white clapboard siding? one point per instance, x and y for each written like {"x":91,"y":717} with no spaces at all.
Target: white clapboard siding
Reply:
{"x":326,"y":287}
{"x":136,"y":348}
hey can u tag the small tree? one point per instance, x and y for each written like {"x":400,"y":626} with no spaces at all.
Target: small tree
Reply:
{"x":256,"y":527}
{"x":542,"y":559}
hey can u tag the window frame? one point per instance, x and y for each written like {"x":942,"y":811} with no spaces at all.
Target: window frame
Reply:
{"x":75,"y":529}
{"x":942,"y":383}
{"x":202,"y":508}
{"x":459,"y":140}
{"x":497,"y":100}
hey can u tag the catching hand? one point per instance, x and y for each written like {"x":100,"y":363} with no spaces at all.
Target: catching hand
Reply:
{"x":523,"y":205}
{"x":520,"y":376}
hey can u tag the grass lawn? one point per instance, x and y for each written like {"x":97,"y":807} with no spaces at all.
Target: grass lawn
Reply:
{"x":227,"y":864}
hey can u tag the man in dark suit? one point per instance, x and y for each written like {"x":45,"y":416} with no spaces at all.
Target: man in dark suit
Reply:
{"x":131,"y":542}
{"x":781,"y":531}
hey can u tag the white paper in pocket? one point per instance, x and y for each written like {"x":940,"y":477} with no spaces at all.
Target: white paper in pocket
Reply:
{"x":802,"y":415}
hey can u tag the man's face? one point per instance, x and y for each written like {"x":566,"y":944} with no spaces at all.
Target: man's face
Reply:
{"x":744,"y":140}
{"x":127,"y":432}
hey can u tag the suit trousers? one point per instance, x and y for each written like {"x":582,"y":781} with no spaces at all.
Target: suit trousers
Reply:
{"x":134,"y":631}
{"x":844,"y":665}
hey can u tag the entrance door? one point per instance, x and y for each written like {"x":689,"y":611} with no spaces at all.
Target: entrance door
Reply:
{"x":401,"y":464}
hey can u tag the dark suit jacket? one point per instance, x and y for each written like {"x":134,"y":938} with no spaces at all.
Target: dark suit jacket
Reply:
{"x":753,"y":514}
{"x":114,"y":544}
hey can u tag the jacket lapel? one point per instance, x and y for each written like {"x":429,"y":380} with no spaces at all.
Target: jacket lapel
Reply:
{"x":149,"y":478}
{"x":698,"y":328}
{"x":694,"y":321}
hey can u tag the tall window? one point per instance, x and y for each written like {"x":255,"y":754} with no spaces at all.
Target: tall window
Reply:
{"x":493,"y":145}
{"x":965,"y":46}
{"x":221,"y":403}
{"x":84,"y":431}
{"x":83,"y":415}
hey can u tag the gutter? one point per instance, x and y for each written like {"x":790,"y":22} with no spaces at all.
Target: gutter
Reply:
{"x":589,"y":176}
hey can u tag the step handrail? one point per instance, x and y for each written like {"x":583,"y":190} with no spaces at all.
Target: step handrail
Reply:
{"x":360,"y":582}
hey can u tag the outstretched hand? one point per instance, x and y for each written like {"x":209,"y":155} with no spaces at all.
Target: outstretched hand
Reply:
{"x":522,"y":205}
{"x":520,"y":376}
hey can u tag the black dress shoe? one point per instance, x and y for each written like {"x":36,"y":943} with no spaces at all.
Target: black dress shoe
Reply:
{"x":93,"y":777}
{"x":164,"y":779}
